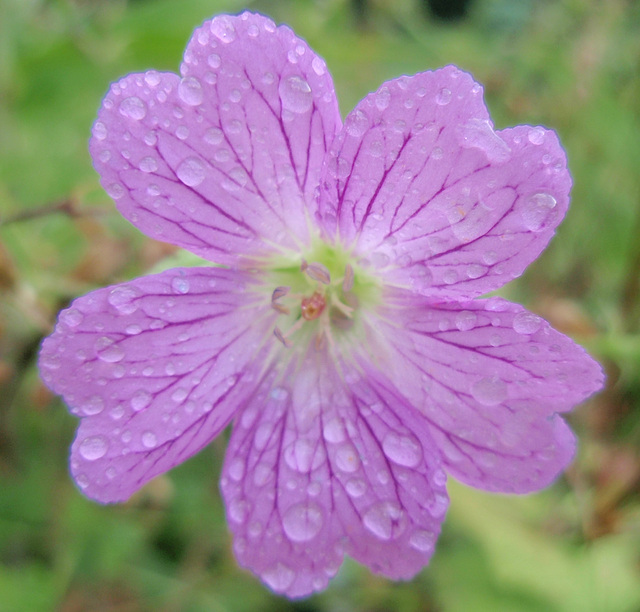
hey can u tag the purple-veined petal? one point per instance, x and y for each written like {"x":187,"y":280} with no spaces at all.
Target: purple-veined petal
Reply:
{"x":320,"y":465}
{"x":156,"y":368}
{"x":422,"y":185}
{"x":490,"y":377}
{"x":224,"y":160}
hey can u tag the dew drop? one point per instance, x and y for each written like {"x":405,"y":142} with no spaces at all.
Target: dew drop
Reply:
{"x":302,"y":522}
{"x":299,"y":455}
{"x":99,"y":130}
{"x":536,"y":135}
{"x":347,"y":458}
{"x":122,"y":298}
{"x":489,"y":391}
{"x":466,"y":320}
{"x":115,"y":190}
{"x":213,"y":136}
{"x":279,"y":578}
{"x":108,"y":351}
{"x":333,"y":431}
{"x":238,"y":510}
{"x":356,"y":487}
{"x":190,"y":91}
{"x":385,"y":520}
{"x":152,"y":78}
{"x":478,"y":134}
{"x":149,"y":439}
{"x":71,"y":317}
{"x":236,"y":469}
{"x":382,"y":98}
{"x":526,"y":323}
{"x":422,"y":541}
{"x":148,"y":164}
{"x":222,"y":28}
{"x":180,"y":284}
{"x":318,"y":65}
{"x":403,"y":450}
{"x":443,"y":97}
{"x":140,"y":400}
{"x":191,"y":171}
{"x":537,"y":210}
{"x":93,"y":448}
{"x":295,"y":94}
{"x":356,"y":123}
{"x":134,"y":108}
{"x":92,"y":406}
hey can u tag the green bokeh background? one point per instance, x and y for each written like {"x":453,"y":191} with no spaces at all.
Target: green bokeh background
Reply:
{"x":573,"y":65}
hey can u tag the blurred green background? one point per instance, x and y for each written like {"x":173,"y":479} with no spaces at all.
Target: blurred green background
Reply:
{"x":573,"y":65}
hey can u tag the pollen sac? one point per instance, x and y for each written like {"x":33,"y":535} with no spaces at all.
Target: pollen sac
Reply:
{"x":313,"y":306}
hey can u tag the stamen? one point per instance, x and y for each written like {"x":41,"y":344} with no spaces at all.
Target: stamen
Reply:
{"x":280,"y":336}
{"x":318,"y":272}
{"x":349,"y":277}
{"x":278,"y":293}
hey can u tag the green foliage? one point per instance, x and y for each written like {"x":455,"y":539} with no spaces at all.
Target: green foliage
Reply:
{"x":570,"y":64}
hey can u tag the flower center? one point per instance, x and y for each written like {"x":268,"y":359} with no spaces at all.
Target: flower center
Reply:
{"x":321,"y":298}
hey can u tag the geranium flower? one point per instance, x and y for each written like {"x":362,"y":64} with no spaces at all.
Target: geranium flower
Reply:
{"x":341,"y":334}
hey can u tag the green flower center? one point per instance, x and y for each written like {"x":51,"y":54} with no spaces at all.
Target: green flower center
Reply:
{"x":322,"y":296}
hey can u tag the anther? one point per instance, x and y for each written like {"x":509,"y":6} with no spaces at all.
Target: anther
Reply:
{"x":278,"y":293}
{"x":347,"y":281}
{"x":280,"y":336}
{"x":318,"y":272}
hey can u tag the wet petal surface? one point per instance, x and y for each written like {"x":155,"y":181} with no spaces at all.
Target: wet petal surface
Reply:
{"x":327,"y":465}
{"x":433,"y":197}
{"x":155,"y":368}
{"x":490,"y":377}
{"x":223,"y":160}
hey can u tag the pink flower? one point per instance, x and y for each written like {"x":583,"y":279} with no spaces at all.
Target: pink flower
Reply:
{"x":342,"y":336}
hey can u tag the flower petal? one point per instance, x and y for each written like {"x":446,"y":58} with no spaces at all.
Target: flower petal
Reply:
{"x":319,"y":466}
{"x":428,"y":192}
{"x":156,"y":368}
{"x":490,"y":377}
{"x":224,"y":161}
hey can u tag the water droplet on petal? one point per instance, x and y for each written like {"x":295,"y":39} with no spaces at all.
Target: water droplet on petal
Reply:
{"x":295,"y":94}
{"x":92,"y":406}
{"x":382,"y":98}
{"x":149,"y":439}
{"x":356,"y":487}
{"x":190,"y":91}
{"x":466,"y":320}
{"x":526,"y":323}
{"x":302,"y":522}
{"x":279,"y":578}
{"x":489,"y":391}
{"x":152,"y":78}
{"x":222,"y":28}
{"x":122,"y":298}
{"x":191,"y":171}
{"x":403,"y":450}
{"x":537,"y":211}
{"x":299,"y":455}
{"x":385,"y":520}
{"x":443,"y":97}
{"x":334,"y":431}
{"x":213,"y":136}
{"x":356,"y":123}
{"x":318,"y":65}
{"x":115,"y":190}
{"x":478,"y":134}
{"x":134,"y":108}
{"x":99,"y":130}
{"x":140,"y":400}
{"x":423,"y":541}
{"x":236,"y":469}
{"x":71,"y":317}
{"x":108,"y":351}
{"x":536,"y":135}
{"x":94,"y":447}
{"x":148,"y":164}
{"x":347,"y":458}
{"x":238,"y":510}
{"x":180,"y":284}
